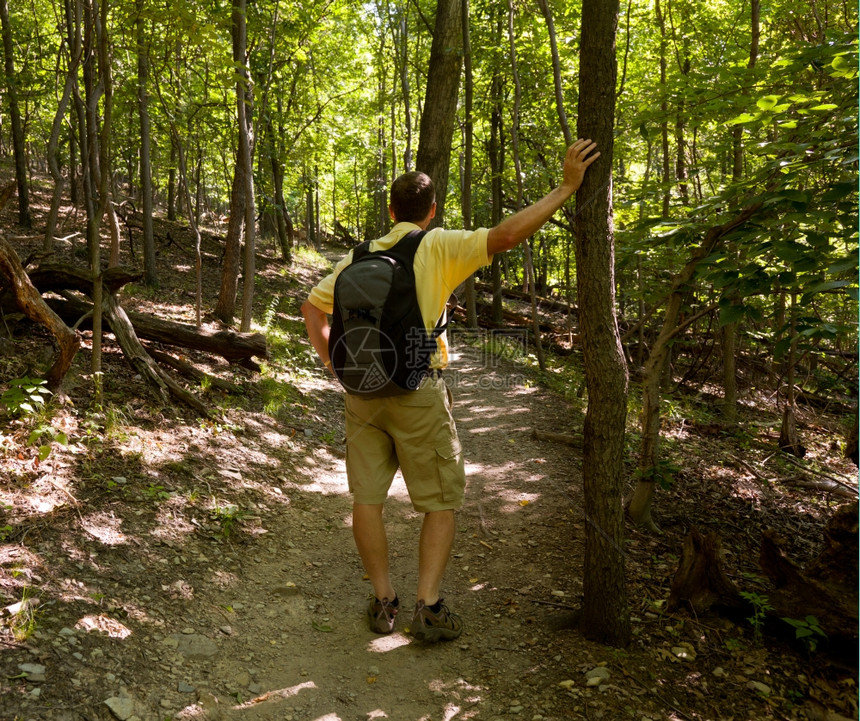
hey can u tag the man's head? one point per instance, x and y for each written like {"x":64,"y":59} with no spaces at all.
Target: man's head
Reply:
{"x":412,"y":198}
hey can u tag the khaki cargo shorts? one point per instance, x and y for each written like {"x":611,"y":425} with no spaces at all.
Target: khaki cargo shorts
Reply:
{"x":414,"y":432}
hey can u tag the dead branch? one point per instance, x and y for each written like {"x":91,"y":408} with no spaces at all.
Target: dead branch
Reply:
{"x":30,"y":301}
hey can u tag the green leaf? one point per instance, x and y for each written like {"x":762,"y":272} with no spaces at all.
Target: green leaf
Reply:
{"x":767,"y":102}
{"x":781,"y":348}
{"x":731,"y":314}
{"x":44,"y":452}
{"x":843,"y":266}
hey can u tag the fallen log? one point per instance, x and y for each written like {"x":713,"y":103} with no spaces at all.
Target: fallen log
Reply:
{"x":233,"y":346}
{"x":31,"y":303}
{"x":553,"y":304}
{"x":141,"y":361}
{"x":190,"y":371}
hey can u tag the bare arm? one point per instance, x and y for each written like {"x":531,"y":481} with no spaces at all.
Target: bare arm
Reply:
{"x":316,"y":323}
{"x":515,"y":229}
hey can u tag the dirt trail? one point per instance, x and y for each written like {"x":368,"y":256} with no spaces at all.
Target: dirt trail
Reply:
{"x":188,"y":570}
{"x":301,"y":634}
{"x":158,"y":617}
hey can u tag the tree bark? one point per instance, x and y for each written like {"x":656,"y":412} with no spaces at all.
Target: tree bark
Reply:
{"x":53,"y":143}
{"x":243,"y":103}
{"x":515,"y":149}
{"x":31,"y":303}
{"x":440,"y":101}
{"x":639,"y":503}
{"x":150,"y":272}
{"x":605,"y":613}
{"x":468,"y":138}
{"x":18,"y":144}
{"x":730,"y":330}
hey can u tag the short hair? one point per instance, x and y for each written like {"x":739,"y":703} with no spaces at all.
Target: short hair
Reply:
{"x":412,"y":196}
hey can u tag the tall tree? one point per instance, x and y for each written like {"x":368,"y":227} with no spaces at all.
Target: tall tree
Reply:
{"x":244,"y":106}
{"x":150,"y":273}
{"x":730,"y":330}
{"x":440,"y":100}
{"x":605,"y":615}
{"x":18,"y":143}
{"x":528,"y":269}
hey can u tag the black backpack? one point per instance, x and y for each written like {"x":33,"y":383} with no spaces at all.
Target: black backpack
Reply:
{"x":378,"y":343}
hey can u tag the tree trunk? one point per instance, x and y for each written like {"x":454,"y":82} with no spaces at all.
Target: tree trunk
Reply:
{"x":605,"y":615}
{"x":496,"y":152}
{"x":730,"y":330}
{"x":225,"y":308}
{"x":789,"y":440}
{"x":18,"y":144}
{"x":529,"y":270}
{"x":468,"y":138}
{"x":53,"y":155}
{"x":639,"y":503}
{"x":440,"y":101}
{"x":30,"y":302}
{"x":198,"y":260}
{"x":150,"y":273}
{"x":243,"y":102}
{"x":405,"y":91}
{"x":664,"y":111}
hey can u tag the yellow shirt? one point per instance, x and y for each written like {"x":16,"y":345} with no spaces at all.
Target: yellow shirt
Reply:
{"x":444,"y":259}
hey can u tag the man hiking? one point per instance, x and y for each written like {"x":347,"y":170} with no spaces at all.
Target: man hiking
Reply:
{"x":415,"y":430}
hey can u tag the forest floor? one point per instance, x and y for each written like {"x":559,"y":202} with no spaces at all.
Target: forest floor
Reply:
{"x":162,"y":567}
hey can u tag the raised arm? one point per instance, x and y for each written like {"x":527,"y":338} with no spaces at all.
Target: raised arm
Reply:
{"x":515,"y":229}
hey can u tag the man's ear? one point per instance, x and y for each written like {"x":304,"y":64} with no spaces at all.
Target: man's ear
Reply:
{"x":433,"y":210}
{"x":391,"y":213}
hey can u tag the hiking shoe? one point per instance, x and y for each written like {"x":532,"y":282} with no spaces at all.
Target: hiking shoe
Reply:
{"x":382,"y":614}
{"x":431,"y":626}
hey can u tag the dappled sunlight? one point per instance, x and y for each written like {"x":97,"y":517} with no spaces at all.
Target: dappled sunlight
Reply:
{"x":275,"y":696}
{"x":384,"y":644}
{"x":103,"y":624}
{"x":104,"y":527}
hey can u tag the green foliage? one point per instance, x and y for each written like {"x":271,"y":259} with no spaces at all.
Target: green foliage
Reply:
{"x":156,"y":492}
{"x":24,"y":621}
{"x":228,"y":516}
{"x":807,"y":631}
{"x":25,"y":396}
{"x":662,"y":473}
{"x":760,"y":606}
{"x":43,"y":433}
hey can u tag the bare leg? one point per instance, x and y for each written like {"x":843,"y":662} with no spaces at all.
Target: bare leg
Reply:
{"x":368,"y":530}
{"x":437,"y":538}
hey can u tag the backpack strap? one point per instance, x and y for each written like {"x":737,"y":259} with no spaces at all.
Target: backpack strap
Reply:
{"x":404,"y":250}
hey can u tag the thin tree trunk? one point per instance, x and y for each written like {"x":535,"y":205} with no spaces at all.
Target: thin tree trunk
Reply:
{"x":468,"y":137}
{"x":244,"y":115}
{"x":639,"y":503}
{"x":150,"y":273}
{"x":605,"y":614}
{"x":405,"y":90}
{"x":515,"y":149}
{"x":18,"y":144}
{"x":664,"y":110}
{"x":730,"y":330}
{"x":496,"y":153}
{"x":53,"y":155}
